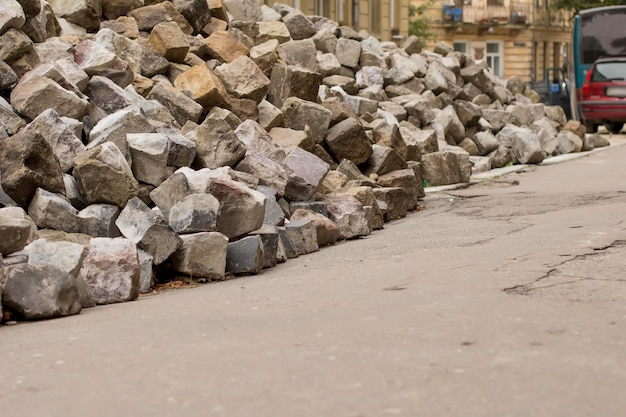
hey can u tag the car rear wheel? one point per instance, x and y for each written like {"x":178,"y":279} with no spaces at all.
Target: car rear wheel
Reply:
{"x":614,"y":127}
{"x":591,"y":127}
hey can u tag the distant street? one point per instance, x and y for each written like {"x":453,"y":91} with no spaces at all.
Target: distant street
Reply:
{"x":506,"y":298}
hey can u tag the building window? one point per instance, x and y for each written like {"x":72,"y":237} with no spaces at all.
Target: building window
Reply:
{"x":395,"y":17}
{"x":355,"y":14}
{"x":323,"y":8}
{"x":546,"y":62}
{"x":392,"y":14}
{"x":535,"y":72}
{"x":461,"y":46}
{"x":375,"y":15}
{"x":495,"y":57}
{"x":340,"y":11}
{"x":556,"y":54}
{"x":495,"y":3}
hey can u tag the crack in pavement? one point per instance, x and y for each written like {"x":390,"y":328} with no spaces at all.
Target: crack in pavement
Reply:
{"x":529,"y":288}
{"x":524,"y":289}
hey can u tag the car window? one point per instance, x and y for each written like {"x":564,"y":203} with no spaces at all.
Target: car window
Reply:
{"x":608,"y":71}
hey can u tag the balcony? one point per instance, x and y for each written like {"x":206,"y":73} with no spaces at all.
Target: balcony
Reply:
{"x":550,"y":17}
{"x":485,"y":15}
{"x":489,"y":13}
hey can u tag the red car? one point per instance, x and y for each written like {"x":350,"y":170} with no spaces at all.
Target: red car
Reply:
{"x":604,"y":95}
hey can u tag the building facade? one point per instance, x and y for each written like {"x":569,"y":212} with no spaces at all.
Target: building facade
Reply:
{"x":515,"y":37}
{"x":386,"y":19}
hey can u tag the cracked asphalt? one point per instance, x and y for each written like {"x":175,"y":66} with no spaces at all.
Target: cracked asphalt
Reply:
{"x":505,"y":298}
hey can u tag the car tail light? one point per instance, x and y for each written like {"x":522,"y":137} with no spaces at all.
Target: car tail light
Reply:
{"x":586,"y":83}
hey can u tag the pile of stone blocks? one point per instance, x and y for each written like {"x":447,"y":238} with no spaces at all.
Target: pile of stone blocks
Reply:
{"x":142,"y":140}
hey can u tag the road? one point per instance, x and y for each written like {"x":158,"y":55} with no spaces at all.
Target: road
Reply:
{"x":506,"y":298}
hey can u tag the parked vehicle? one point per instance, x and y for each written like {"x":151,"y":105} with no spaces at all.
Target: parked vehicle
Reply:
{"x":603,"y":98}
{"x":596,"y":33}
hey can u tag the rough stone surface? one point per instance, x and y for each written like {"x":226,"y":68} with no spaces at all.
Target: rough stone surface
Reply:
{"x":27,"y":162}
{"x":15,"y":230}
{"x":301,"y":114}
{"x":397,"y":202}
{"x":11,"y":16}
{"x":67,"y":256}
{"x":114,"y":128}
{"x":107,"y":95}
{"x":302,"y":236}
{"x":170,"y":192}
{"x":205,"y":87}
{"x":257,"y":140}
{"x":180,"y":106}
{"x":216,"y":143}
{"x":150,"y":156}
{"x":524,"y":144}
{"x":65,"y":144}
{"x":293,"y":81}
{"x":441,"y":168}
{"x":306,"y":173}
{"x":269,"y":236}
{"x":148,"y":229}
{"x":299,"y":26}
{"x":10,"y":123}
{"x":246,"y":10}
{"x":408,"y":181}
{"x":95,"y":59}
{"x":224,"y":46}
{"x":170,"y":41}
{"x":245,"y":256}
{"x":39,"y":291}
{"x":267,"y":171}
{"x":98,"y":220}
{"x":365,"y":195}
{"x":53,"y":211}
{"x":272,"y":31}
{"x":289,"y":139}
{"x":36,"y":94}
{"x":8,"y":77}
{"x":242,"y":209}
{"x":244,"y":79}
{"x":383,"y":160}
{"x":195,"y":213}
{"x":104,"y":176}
{"x":347,"y":140}
{"x":202,"y":255}
{"x":274,"y":214}
{"x":486,"y":142}
{"x":111,"y":270}
{"x":348,"y":52}
{"x":327,"y":230}
{"x":300,"y":53}
{"x":349,"y":216}
{"x":568,"y":142}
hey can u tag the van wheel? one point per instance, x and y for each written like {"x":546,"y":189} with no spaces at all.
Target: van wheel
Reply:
{"x":591,"y":127}
{"x":615,"y":127}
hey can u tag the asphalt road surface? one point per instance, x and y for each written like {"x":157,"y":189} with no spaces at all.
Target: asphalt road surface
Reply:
{"x":507,"y":298}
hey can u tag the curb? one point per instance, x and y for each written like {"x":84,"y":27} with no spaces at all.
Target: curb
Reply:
{"x":614,"y":141}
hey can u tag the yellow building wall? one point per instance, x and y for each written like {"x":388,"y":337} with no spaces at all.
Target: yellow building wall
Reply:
{"x":528,"y":49}
{"x":374,"y":15}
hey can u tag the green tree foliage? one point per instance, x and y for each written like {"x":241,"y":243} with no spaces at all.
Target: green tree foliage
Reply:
{"x":577,"y":5}
{"x":419,"y":24}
